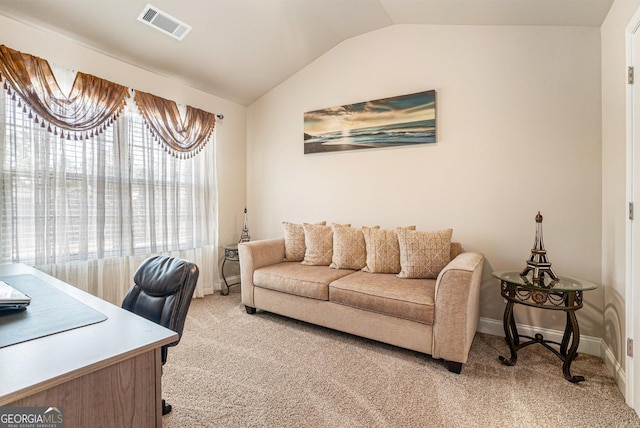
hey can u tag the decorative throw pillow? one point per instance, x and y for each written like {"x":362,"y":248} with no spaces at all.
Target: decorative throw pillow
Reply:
{"x":383,"y":251}
{"x":349,"y":251}
{"x":294,"y":247}
{"x":424,"y":254}
{"x":318,"y":240}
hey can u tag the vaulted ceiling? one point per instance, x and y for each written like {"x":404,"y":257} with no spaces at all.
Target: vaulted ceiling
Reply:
{"x":240,"y":49}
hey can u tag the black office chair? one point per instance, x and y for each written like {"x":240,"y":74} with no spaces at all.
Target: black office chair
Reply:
{"x":162,"y":291}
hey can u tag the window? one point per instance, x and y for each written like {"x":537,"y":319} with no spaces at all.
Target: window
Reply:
{"x":116,"y":195}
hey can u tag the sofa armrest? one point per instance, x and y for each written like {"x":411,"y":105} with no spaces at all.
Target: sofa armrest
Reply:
{"x":254,"y":255}
{"x":457,"y":307}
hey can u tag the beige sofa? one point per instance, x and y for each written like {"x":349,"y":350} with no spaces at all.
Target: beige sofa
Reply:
{"x":434,"y":316}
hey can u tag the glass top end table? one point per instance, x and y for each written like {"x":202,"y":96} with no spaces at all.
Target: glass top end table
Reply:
{"x":564,"y":294}
{"x":565,"y":283}
{"x":231,"y":255}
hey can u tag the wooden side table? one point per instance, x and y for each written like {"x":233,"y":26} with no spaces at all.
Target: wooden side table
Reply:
{"x":565,"y":294}
{"x":231,"y":255}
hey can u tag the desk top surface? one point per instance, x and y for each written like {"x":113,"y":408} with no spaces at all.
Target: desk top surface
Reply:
{"x":36,"y":365}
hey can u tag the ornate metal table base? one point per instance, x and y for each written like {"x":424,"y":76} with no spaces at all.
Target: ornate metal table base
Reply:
{"x":567,"y":298}
{"x":230,"y":254}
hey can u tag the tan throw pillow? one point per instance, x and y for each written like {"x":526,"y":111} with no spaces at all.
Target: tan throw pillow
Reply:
{"x":294,"y":247}
{"x":349,"y":251}
{"x":424,"y":254}
{"x":318,"y":240}
{"x":383,"y":251}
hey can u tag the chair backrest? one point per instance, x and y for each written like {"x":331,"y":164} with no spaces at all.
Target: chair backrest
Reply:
{"x":162,"y":291}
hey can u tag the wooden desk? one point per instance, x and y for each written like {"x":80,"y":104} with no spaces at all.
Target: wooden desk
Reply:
{"x":104,"y":375}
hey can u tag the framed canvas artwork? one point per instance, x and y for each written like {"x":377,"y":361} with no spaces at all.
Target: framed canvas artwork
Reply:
{"x":387,"y":122}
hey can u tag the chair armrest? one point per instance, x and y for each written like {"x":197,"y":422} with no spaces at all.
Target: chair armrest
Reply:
{"x":254,"y":255}
{"x":457,"y":307}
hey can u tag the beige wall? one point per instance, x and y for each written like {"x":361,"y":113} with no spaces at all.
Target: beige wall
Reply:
{"x":519,"y":130}
{"x":230,"y":132}
{"x":614,"y":174}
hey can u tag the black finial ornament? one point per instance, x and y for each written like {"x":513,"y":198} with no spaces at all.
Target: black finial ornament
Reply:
{"x":538,"y":263}
{"x":244,"y":236}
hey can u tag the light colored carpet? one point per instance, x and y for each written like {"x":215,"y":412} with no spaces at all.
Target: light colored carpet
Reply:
{"x":232,"y":369}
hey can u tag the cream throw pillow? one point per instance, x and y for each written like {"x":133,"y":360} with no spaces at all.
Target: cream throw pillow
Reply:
{"x":349,"y":251}
{"x":294,"y":247}
{"x":423,"y":254}
{"x":318,"y":240}
{"x":383,"y":251}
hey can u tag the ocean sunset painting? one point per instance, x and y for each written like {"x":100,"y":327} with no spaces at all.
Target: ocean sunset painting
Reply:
{"x":387,"y":122}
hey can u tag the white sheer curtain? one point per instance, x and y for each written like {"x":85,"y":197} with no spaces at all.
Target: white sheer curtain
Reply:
{"x":88,"y":212}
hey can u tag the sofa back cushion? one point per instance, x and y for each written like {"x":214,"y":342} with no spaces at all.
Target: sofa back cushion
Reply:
{"x":423,"y":254}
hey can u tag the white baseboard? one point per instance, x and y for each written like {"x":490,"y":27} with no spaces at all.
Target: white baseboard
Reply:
{"x":615,"y":369}
{"x":588,"y":344}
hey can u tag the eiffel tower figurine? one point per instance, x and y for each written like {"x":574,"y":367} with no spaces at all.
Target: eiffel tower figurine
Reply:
{"x":538,"y":263}
{"x":244,"y":236}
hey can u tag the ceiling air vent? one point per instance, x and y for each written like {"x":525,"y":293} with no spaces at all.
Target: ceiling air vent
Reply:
{"x":164,"y":22}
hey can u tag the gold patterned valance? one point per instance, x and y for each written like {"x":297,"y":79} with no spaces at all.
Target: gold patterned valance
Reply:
{"x":181,"y":137}
{"x":94,"y":103}
{"x":90,"y":107}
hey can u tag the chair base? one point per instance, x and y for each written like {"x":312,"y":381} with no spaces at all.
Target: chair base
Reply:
{"x":166,"y":408}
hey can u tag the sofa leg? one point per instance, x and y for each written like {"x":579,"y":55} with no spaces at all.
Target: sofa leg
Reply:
{"x":454,"y":367}
{"x":250,"y":310}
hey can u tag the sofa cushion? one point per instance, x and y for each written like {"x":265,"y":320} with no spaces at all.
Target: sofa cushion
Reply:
{"x":349,"y":251}
{"x":423,"y":254}
{"x":411,"y":299}
{"x":383,"y":251}
{"x":294,"y":247}
{"x":296,"y":278}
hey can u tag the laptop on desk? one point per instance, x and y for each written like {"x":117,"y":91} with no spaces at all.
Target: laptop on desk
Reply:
{"x":12,"y":299}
